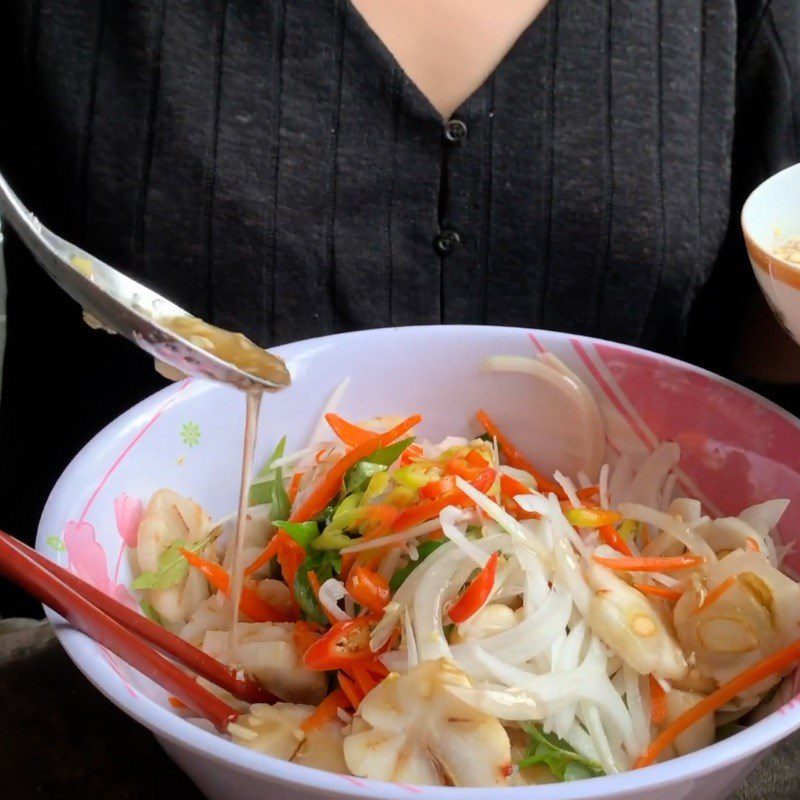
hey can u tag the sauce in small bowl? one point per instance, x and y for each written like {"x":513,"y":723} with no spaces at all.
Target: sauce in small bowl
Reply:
{"x":771,"y":226}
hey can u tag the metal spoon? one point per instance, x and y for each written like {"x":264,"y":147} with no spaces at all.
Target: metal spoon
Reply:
{"x":121,"y":305}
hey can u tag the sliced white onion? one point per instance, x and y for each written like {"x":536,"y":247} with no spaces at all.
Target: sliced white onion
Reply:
{"x":536,"y":588}
{"x":512,"y":705}
{"x":534,"y":503}
{"x":581,"y":742}
{"x":525,"y":478}
{"x":666,"y":522}
{"x":449,"y":518}
{"x":524,"y":641}
{"x":647,"y":484}
{"x":392,"y":614}
{"x":603,"y":483}
{"x":619,"y":479}
{"x":667,"y":491}
{"x":503,"y":519}
{"x":554,"y":372}
{"x":412,"y":654}
{"x":569,"y":489}
{"x":633,"y":699}
{"x":583,"y":480}
{"x":764,"y":517}
{"x":688,"y":509}
{"x":568,"y":568}
{"x":564,"y":659}
{"x":390,"y":562}
{"x":394,"y":660}
{"x":439,"y":583}
{"x":394,"y":538}
{"x":330,"y":593}
{"x":591,"y":717}
{"x":285,"y":461}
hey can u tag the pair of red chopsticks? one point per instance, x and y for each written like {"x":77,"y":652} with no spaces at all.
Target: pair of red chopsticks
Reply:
{"x":129,"y":634}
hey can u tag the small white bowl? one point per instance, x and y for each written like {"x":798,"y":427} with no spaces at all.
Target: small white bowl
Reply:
{"x":738,"y":449}
{"x":770,"y":217}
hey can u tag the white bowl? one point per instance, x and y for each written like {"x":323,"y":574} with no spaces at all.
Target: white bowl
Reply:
{"x":770,"y":217}
{"x":738,"y":449}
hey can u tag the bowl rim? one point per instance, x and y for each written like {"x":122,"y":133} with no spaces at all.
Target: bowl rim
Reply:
{"x":166,"y":724}
{"x":764,"y":259}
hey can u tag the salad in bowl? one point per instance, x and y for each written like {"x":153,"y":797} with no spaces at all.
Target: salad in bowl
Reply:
{"x":446,"y":613}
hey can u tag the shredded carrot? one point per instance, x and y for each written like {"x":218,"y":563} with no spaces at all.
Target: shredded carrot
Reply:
{"x":653,"y":564}
{"x":716,"y":593}
{"x":321,"y":494}
{"x":320,"y":455}
{"x":175,"y":703}
{"x":771,"y":665}
{"x":610,"y":535}
{"x":360,"y":674}
{"x":291,"y":554}
{"x":412,"y":453}
{"x":751,"y":545}
{"x":352,"y":692}
{"x":658,"y":703}
{"x":294,"y":486}
{"x":250,"y":603}
{"x":516,"y":459}
{"x":658,"y":591}
{"x":377,"y":519}
{"x":476,"y":459}
{"x":588,"y":493}
{"x":348,"y":559}
{"x":350,"y":434}
{"x":325,"y":711}
{"x":511,"y":487}
{"x":269,"y":552}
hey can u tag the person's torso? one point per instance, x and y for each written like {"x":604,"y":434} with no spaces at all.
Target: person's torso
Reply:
{"x":269,"y":165}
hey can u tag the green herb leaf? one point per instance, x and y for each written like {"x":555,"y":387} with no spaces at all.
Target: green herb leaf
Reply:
{"x":302,"y":532}
{"x":424,"y":549}
{"x":261,"y":493}
{"x":281,"y":506}
{"x":358,"y":477}
{"x":172,"y":564}
{"x":389,"y":454}
{"x":150,"y":612}
{"x":555,"y":753}
{"x":325,"y":565}
{"x":172,"y":569}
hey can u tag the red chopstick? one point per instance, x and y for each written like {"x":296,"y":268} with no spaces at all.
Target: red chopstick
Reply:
{"x":187,"y":654}
{"x":37,"y":580}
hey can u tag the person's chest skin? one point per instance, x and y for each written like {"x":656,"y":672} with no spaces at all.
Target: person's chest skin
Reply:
{"x":448,"y":48}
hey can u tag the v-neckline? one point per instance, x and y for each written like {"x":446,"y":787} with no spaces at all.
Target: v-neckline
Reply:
{"x":417,"y":99}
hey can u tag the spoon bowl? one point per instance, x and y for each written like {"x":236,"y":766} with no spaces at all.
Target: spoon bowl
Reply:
{"x":118,"y":304}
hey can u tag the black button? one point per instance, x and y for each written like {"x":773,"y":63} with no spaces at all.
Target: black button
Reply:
{"x":446,"y":241}
{"x":455,"y":130}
